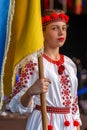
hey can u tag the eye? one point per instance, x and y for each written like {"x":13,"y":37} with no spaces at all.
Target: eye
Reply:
{"x":54,"y":28}
{"x":65,"y":28}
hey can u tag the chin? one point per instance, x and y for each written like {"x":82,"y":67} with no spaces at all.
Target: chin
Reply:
{"x":60,"y":44}
{"x":56,"y":45}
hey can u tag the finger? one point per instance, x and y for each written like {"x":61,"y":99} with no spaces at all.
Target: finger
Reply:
{"x":46,"y":83}
{"x":45,"y":89}
{"x":47,"y":80}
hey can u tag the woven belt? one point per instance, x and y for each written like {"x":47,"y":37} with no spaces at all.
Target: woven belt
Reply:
{"x":56,"y":110}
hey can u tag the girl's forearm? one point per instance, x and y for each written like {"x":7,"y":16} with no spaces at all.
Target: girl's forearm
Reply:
{"x":26,"y":99}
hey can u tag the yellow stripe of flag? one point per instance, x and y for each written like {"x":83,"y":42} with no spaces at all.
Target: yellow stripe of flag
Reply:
{"x":31,"y":38}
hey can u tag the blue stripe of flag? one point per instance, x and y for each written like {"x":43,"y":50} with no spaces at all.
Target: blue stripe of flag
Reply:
{"x":4,"y":7}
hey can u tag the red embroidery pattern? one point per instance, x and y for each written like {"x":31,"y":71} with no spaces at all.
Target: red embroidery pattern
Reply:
{"x":26,"y":72}
{"x":74,"y":105}
{"x":65,"y":90}
{"x":61,"y":69}
{"x":58,"y":63}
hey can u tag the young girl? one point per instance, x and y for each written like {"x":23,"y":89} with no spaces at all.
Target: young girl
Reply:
{"x":60,"y":82}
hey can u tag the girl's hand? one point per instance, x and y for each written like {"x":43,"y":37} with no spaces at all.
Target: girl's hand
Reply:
{"x":40,"y":86}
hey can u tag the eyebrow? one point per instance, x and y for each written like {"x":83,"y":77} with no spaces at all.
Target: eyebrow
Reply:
{"x":57,"y":25}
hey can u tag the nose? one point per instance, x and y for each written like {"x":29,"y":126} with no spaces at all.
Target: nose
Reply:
{"x":60,"y":31}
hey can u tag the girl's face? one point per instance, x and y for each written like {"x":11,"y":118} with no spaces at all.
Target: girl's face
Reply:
{"x":55,"y":34}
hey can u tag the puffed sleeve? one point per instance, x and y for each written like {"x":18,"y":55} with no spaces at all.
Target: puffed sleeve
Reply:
{"x":27,"y":77}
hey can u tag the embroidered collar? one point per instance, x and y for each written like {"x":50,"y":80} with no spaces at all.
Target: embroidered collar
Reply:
{"x":57,"y":62}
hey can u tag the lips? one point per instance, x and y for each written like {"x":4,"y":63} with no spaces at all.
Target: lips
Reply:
{"x":60,"y":39}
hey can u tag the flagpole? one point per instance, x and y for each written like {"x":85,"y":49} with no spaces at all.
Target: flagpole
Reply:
{"x":42,"y":96}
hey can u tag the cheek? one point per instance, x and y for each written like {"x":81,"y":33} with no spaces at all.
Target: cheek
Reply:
{"x":65,"y":34}
{"x":65,"y":37}
{"x":48,"y":37}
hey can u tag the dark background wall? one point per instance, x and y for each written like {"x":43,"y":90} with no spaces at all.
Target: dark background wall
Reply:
{"x":76,"y":43}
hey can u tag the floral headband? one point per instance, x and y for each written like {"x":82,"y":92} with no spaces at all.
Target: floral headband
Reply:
{"x":54,"y":17}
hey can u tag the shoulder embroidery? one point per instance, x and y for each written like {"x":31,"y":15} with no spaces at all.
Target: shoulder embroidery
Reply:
{"x":23,"y":79}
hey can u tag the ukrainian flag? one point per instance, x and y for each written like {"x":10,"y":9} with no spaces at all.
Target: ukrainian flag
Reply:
{"x":25,"y":36}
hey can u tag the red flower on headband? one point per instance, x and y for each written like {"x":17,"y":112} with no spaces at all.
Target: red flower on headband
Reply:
{"x":47,"y":18}
{"x":66,"y":18}
{"x":54,"y":15}
{"x":43,"y":20}
{"x":62,"y":16}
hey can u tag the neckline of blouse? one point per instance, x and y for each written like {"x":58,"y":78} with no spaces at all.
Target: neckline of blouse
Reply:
{"x":57,"y":62}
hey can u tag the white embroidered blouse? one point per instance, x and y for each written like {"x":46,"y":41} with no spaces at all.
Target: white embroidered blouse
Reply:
{"x":62,"y":91}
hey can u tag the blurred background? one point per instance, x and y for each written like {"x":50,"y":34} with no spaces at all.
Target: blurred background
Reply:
{"x":75,"y":47}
